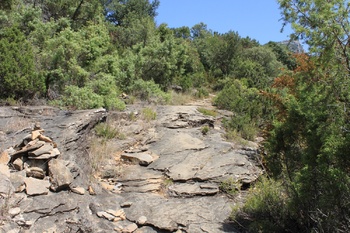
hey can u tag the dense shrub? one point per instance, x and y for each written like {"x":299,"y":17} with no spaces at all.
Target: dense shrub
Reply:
{"x":266,"y":209}
{"x":246,"y":103}
{"x":81,"y":98}
{"x":150,"y":91}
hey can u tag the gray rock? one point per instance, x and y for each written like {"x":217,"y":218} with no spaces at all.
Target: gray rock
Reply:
{"x":130,"y":228}
{"x":140,"y":158}
{"x":14,"y":211}
{"x":142,"y":220}
{"x":146,"y":229}
{"x":167,"y":214}
{"x":35,"y":172}
{"x":126,"y":204}
{"x":43,"y":164}
{"x":136,"y":179}
{"x":36,"y":187}
{"x":5,"y":157}
{"x":189,"y":190}
{"x":4,"y":169}
{"x":45,"y":149}
{"x":49,"y":155}
{"x":103,"y":214}
{"x":60,"y":175}
{"x":17,"y":180}
{"x":6,"y":187}
{"x":78,"y":190}
{"x":18,"y":164}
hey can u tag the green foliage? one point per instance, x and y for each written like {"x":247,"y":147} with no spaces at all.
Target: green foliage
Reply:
{"x":81,"y":98}
{"x":18,"y":77}
{"x":247,"y":105}
{"x":283,"y":55}
{"x":148,"y":90}
{"x":259,"y":66}
{"x":161,"y":60}
{"x":105,"y":131}
{"x":105,"y":86}
{"x":230,"y":186}
{"x":308,"y":145}
{"x":202,"y":92}
{"x":266,"y":209}
{"x":118,"y":11}
{"x":205,"y":129}
{"x":207,"y":112}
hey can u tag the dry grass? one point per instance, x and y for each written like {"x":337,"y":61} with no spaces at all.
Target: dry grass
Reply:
{"x":180,"y":98}
{"x":101,"y":154}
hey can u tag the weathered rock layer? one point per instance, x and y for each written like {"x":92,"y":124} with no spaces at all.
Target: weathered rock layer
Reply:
{"x":170,"y":177}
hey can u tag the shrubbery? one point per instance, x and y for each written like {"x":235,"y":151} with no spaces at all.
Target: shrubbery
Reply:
{"x":150,"y":91}
{"x":246,"y":104}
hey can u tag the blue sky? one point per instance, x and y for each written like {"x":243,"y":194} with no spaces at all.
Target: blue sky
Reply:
{"x":258,"y":19}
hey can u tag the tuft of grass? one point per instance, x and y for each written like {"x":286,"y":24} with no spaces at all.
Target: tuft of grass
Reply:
{"x":205,"y":130}
{"x":207,"y":112}
{"x":230,"y":186}
{"x":148,"y":114}
{"x":180,"y":98}
{"x":100,"y":153}
{"x":107,"y":131}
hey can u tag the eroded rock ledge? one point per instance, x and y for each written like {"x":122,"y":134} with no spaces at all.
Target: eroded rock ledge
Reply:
{"x":169,"y":180}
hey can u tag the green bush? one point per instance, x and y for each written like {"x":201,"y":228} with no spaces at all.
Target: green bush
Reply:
{"x":105,"y":86}
{"x":82,"y":98}
{"x":247,"y":105}
{"x":201,"y":93}
{"x":265,"y":209}
{"x":149,"y":91}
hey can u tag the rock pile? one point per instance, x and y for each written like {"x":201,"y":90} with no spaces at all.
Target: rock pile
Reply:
{"x":35,"y":166}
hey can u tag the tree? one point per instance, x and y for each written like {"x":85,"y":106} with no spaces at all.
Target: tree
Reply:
{"x":182,"y":32}
{"x":117,"y":11}
{"x":309,"y":142}
{"x":18,"y":77}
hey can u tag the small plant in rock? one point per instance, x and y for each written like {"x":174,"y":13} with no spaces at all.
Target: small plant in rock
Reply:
{"x":106,"y":131}
{"x":230,"y":186}
{"x":205,"y":130}
{"x":207,"y":112}
{"x":148,"y":114}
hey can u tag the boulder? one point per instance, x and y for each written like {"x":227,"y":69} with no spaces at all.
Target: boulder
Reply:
{"x":60,"y":175}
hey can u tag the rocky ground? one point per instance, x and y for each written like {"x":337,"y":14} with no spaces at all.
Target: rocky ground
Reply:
{"x":164,"y":175}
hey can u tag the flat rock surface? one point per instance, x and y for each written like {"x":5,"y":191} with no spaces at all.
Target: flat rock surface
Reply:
{"x":169,"y":173}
